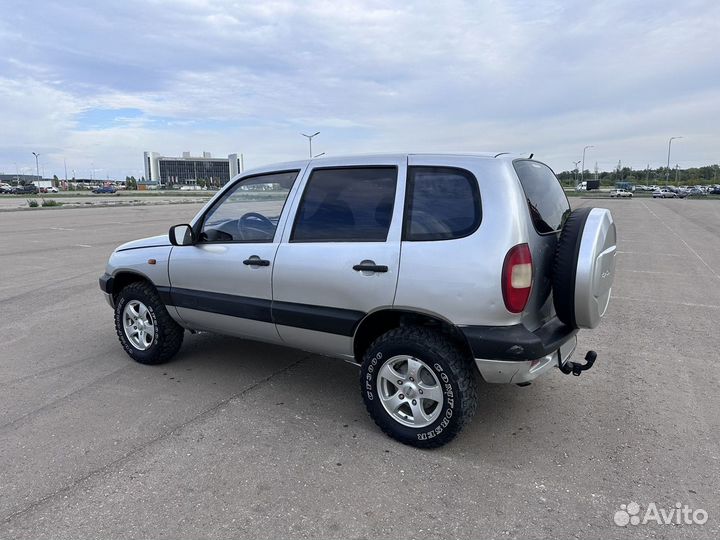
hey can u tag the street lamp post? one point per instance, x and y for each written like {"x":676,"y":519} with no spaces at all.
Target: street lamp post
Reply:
{"x":582,"y":173}
{"x":37,"y":165}
{"x":310,"y":138}
{"x":575,"y":171}
{"x":667,"y":171}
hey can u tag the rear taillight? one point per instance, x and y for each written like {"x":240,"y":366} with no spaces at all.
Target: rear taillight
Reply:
{"x":517,"y":278}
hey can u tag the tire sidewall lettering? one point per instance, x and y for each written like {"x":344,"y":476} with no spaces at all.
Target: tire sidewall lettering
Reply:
{"x":132,"y":351}
{"x":449,"y":394}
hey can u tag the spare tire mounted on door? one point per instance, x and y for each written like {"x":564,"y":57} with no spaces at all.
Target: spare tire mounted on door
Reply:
{"x":584,"y":267}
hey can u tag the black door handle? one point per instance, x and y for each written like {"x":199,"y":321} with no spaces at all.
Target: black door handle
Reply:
{"x":256,"y":261}
{"x":366,"y":267}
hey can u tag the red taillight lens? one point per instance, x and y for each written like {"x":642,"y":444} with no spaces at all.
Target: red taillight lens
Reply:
{"x":517,"y":278}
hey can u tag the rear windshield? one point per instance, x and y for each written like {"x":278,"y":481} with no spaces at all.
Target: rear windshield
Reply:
{"x":546,"y":199}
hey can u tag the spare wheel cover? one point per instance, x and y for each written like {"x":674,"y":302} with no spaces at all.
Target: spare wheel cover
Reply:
{"x":585,"y":267}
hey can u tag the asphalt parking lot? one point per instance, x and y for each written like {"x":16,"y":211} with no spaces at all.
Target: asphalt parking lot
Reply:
{"x":238,"y":439}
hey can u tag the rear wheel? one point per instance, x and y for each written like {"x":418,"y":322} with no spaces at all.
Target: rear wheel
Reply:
{"x":418,"y":386}
{"x":145,"y":329}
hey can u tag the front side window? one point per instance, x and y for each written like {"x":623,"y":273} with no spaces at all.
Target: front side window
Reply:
{"x":249,"y":211}
{"x":351,"y":204}
{"x":441,"y":203}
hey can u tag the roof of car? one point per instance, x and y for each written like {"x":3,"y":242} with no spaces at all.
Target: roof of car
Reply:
{"x":387,"y":155}
{"x":399,"y":154}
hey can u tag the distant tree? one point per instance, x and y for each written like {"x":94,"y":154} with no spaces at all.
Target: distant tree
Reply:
{"x":130,"y":182}
{"x":55,"y":181}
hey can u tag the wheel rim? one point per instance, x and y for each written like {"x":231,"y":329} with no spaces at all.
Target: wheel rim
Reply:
{"x":410,"y":391}
{"x":139,"y":325}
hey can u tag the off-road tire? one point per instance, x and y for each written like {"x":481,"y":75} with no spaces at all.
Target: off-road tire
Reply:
{"x":565,"y":265}
{"x":457,"y":375}
{"x":168,"y":335}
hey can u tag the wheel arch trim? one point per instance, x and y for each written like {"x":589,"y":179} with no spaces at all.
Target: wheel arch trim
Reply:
{"x":381,"y":320}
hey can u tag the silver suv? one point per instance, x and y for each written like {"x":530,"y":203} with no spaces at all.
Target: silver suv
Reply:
{"x":424,"y":270}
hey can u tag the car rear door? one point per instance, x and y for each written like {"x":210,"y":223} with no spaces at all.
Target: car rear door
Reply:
{"x":223,"y":283}
{"x":340,"y":253}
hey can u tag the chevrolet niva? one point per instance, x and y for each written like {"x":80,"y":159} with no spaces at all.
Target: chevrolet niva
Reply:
{"x":428,"y":271}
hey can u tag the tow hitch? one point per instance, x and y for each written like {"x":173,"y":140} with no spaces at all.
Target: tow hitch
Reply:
{"x":575,"y":368}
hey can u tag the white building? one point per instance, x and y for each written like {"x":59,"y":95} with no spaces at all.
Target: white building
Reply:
{"x":187,"y":170}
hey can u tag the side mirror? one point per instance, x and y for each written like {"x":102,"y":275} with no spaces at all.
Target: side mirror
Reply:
{"x":181,"y":235}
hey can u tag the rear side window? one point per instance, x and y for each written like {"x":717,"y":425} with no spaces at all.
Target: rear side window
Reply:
{"x":441,"y":203}
{"x":546,"y":199}
{"x":346,"y":205}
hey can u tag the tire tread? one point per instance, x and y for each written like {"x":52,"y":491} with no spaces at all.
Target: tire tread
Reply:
{"x":565,"y":266}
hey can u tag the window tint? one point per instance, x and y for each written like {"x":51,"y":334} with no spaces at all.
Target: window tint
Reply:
{"x":346,"y":205}
{"x":546,"y":199}
{"x":249,"y":211}
{"x":441,"y":203}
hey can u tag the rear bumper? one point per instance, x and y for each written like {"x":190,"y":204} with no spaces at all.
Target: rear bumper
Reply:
{"x":524,"y":371}
{"x":514,"y":354}
{"x":517,"y":343}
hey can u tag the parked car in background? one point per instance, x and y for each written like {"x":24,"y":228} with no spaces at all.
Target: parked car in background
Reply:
{"x":50,"y":189}
{"x":104,"y":189}
{"x":6,"y":189}
{"x":620,"y":193}
{"x":664,"y":194}
{"x":27,"y":189}
{"x":696,"y":192}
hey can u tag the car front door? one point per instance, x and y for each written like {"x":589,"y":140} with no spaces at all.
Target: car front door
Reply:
{"x":340,"y":253}
{"x":223,"y":283}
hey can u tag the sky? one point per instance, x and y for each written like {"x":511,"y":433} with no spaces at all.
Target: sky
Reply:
{"x":94,"y":84}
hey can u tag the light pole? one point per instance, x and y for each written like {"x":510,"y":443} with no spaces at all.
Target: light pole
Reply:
{"x":575,"y":171}
{"x":310,"y":138}
{"x":37,"y":164}
{"x":582,"y":173}
{"x":667,"y":171}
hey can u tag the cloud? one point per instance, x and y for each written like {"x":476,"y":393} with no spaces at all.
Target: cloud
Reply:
{"x":101,"y":83}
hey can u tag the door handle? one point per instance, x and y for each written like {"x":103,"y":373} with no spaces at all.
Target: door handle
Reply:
{"x":370,"y":266}
{"x":256,"y":261}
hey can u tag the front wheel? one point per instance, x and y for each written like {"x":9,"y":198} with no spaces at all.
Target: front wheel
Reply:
{"x":145,"y":329}
{"x":418,"y":386}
